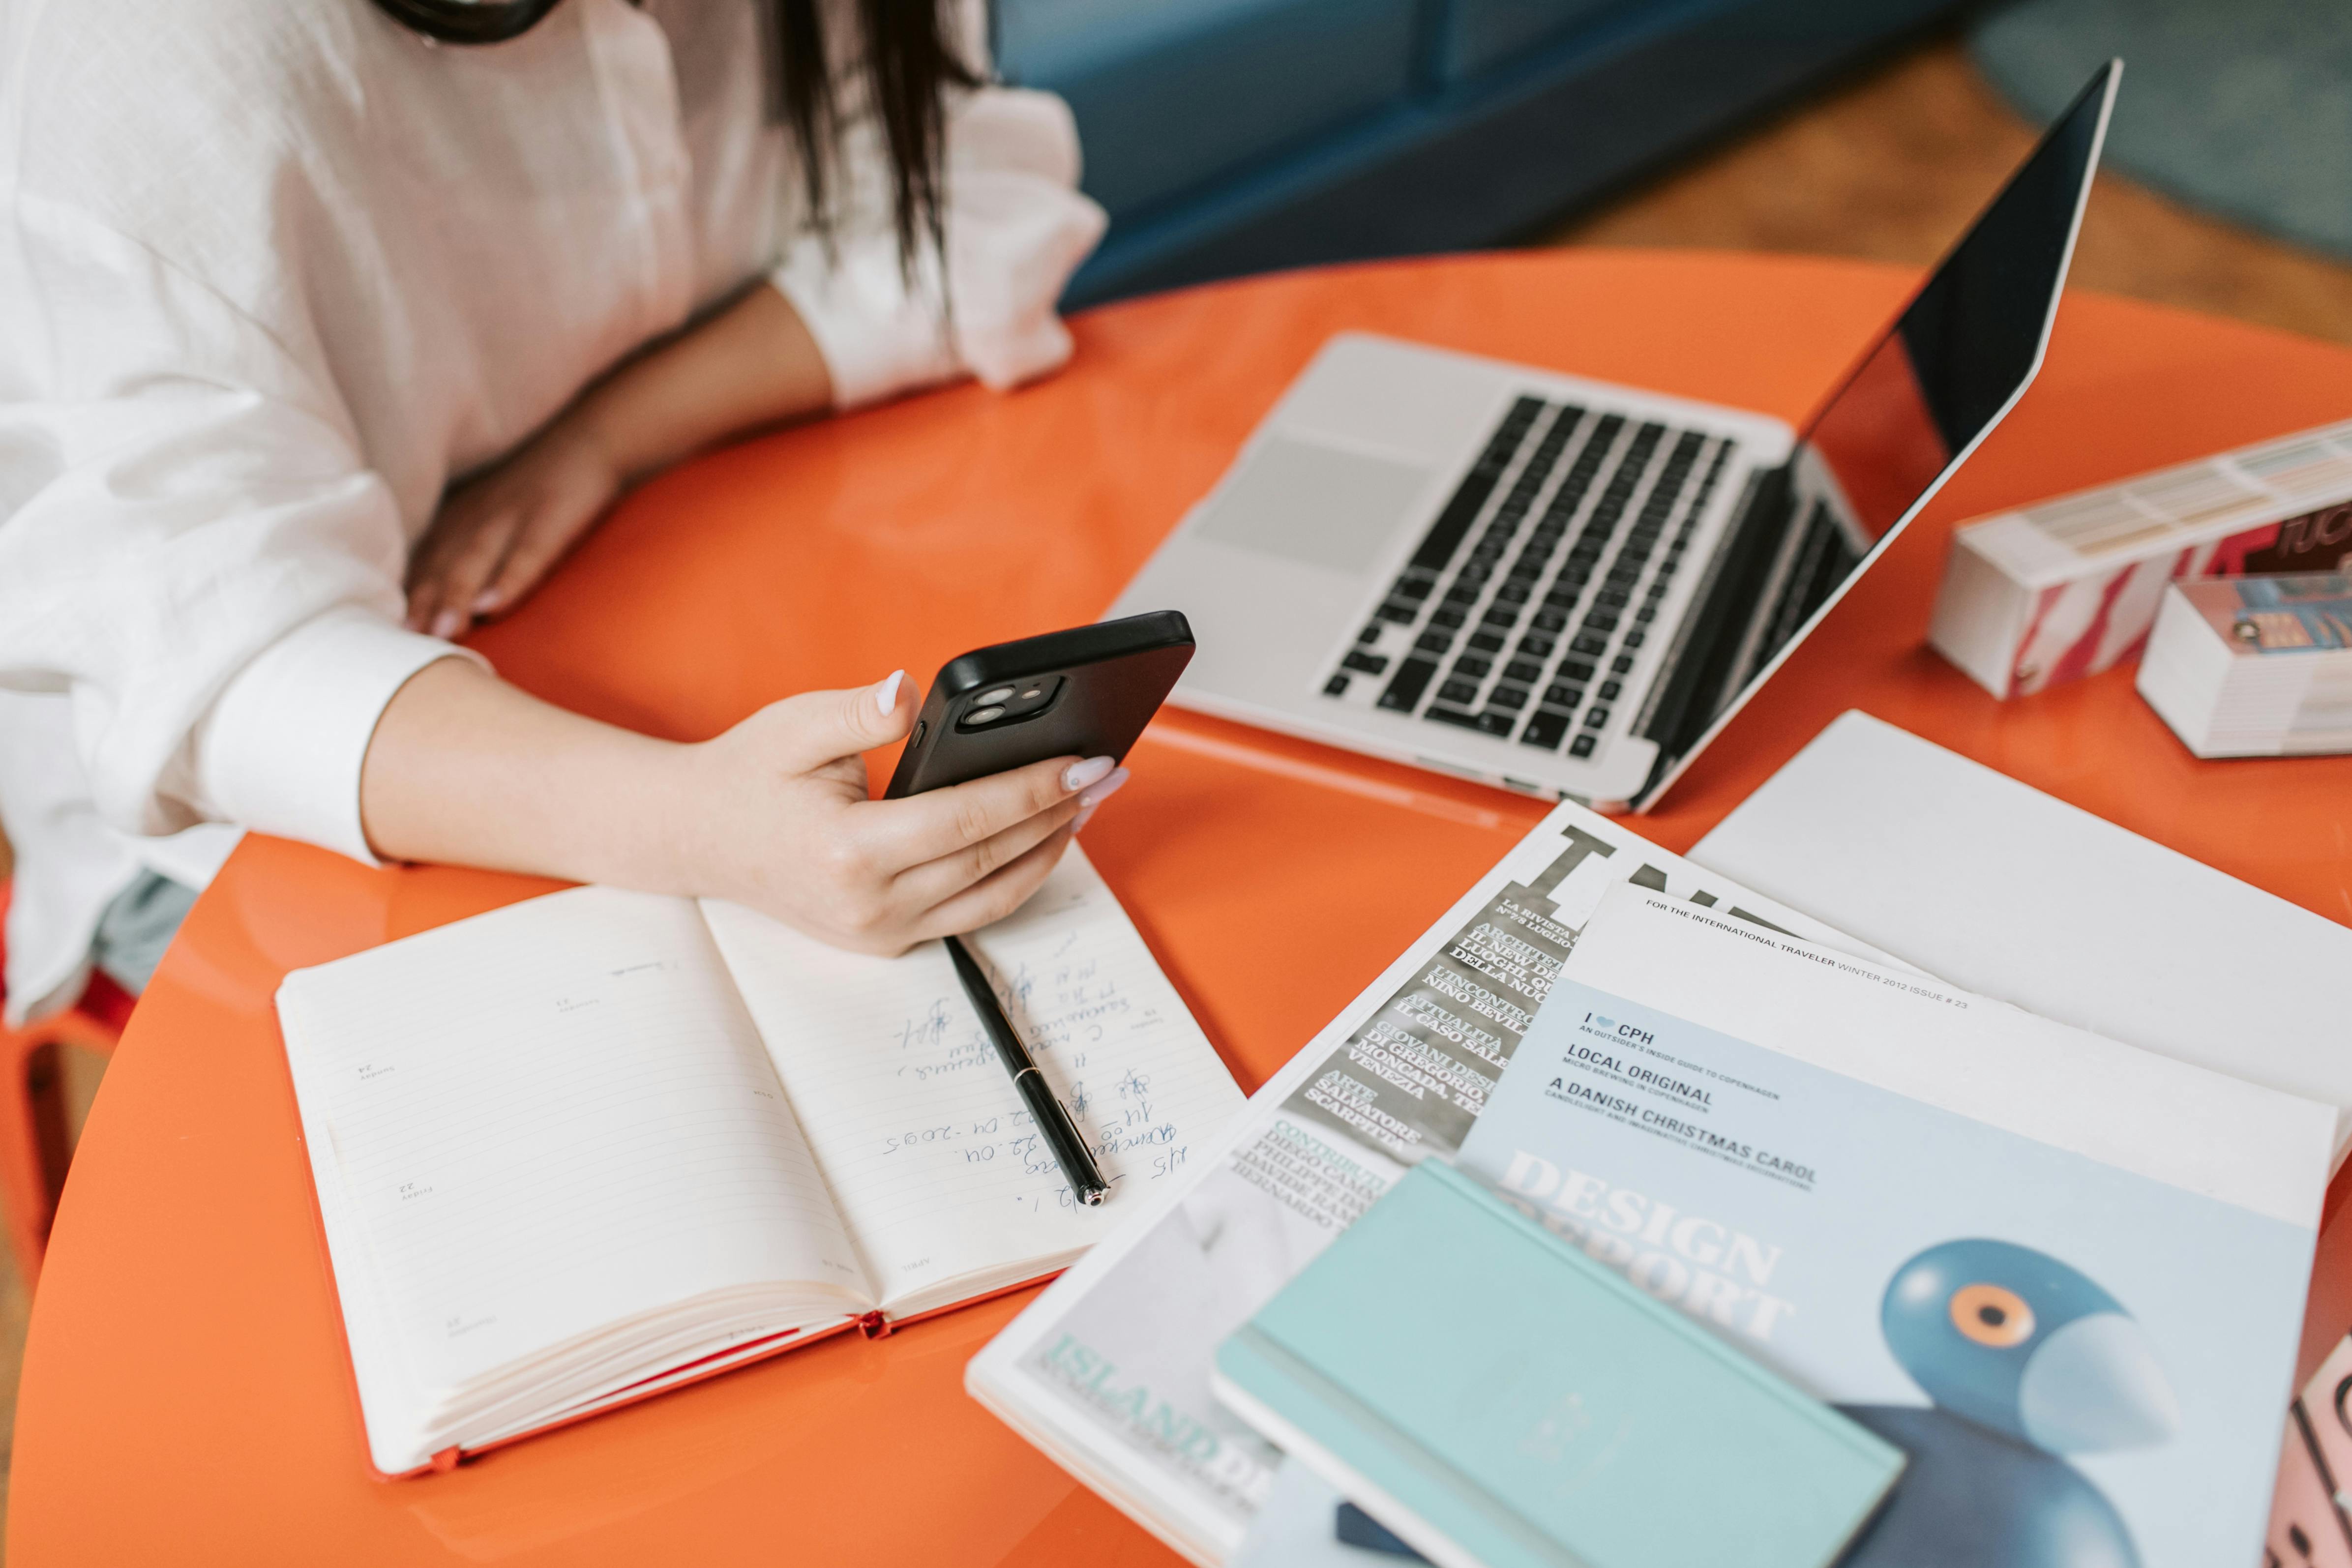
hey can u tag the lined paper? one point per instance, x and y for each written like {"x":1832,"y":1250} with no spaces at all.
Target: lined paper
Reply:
{"x":550,"y":1120}
{"x":929,"y":1153}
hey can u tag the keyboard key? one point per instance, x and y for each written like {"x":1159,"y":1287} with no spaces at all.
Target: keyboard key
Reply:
{"x":1462,"y":594}
{"x":1444,"y":536}
{"x":1412,"y":679}
{"x":1582,"y":745}
{"x":1481,"y":721}
{"x":1433,"y":641}
{"x":1450,"y":619}
{"x":1533,"y":646}
{"x":1416,"y":592}
{"x":1511,"y":593}
{"x":1589,"y":645}
{"x":1336,"y":686}
{"x":1609,"y":598}
{"x":1595,"y":716}
{"x":1508,"y":696}
{"x":1472,"y":574}
{"x":1634,"y":639}
{"x":1608,"y":690}
{"x":1549,"y":619}
{"x":1601,"y":622}
{"x":1366,"y":664}
{"x":1501,"y":616}
{"x":1458,"y":691}
{"x":1485,"y":641}
{"x":1370,"y":633}
{"x":1575,"y":670}
{"x":1545,"y":729}
{"x":1494,"y":721}
{"x":1469,"y":666}
{"x":1525,"y":670}
{"x":1621,"y":664}
{"x":1403,"y":614}
{"x":1643,"y":616}
{"x":1563,"y":696}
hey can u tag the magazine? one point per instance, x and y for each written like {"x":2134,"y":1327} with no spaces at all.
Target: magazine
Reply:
{"x":1108,"y":1370}
{"x":2065,"y":1276}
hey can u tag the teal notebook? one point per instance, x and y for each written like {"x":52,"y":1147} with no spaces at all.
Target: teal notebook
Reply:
{"x":1500,"y":1400}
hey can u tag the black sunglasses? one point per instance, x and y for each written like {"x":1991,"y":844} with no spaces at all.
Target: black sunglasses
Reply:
{"x":469,"y":21}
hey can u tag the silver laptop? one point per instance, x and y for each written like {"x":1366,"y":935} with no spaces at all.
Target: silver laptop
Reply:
{"x":1569,"y":586}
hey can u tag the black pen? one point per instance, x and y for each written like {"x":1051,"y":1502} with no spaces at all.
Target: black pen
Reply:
{"x":1061,"y":1133}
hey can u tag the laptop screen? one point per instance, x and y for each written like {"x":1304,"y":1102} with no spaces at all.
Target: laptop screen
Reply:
{"x":1965,"y":345}
{"x":1917,"y":400}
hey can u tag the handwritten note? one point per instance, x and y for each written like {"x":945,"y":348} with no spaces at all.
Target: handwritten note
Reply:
{"x":933,"y":1161}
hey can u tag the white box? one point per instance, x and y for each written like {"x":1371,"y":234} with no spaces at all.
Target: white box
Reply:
{"x":2257,"y":666}
{"x":2070,"y":587}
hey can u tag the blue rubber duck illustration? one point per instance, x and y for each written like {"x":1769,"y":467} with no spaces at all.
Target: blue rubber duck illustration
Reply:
{"x":2025,"y":1361}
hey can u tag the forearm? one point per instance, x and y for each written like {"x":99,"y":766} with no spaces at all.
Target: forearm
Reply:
{"x":466,"y":769}
{"x":754,"y":363}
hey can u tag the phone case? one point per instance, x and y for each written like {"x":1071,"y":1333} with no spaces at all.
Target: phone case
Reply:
{"x":1113,"y":677}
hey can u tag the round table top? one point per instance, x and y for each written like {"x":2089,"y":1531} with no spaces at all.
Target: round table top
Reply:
{"x":186,"y":1396}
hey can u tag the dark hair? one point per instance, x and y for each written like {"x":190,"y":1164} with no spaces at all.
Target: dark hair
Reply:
{"x":908,"y":65}
{"x":902,"y":50}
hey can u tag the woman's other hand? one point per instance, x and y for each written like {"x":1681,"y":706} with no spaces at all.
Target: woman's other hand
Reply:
{"x":789,"y":830}
{"x":499,"y":533}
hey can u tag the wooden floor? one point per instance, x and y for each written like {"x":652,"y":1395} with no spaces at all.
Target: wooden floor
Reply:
{"x":1893,"y":165}
{"x":1889,"y":164}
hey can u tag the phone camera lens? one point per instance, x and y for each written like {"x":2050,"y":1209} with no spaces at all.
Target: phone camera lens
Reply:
{"x":983,"y":716}
{"x":1000,"y":694}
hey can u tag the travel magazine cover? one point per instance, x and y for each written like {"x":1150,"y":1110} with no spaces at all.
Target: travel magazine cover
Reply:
{"x":1108,"y":1370}
{"x":2063,"y":1276}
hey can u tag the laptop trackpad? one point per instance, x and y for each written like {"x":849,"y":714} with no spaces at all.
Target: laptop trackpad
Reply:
{"x":1321,"y":504}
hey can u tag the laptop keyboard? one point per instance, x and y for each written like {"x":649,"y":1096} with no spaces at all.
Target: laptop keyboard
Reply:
{"x":1514,"y":637}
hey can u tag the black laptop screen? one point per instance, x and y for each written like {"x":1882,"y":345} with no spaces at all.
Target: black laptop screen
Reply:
{"x":1966,"y":344}
{"x":1918,"y":398}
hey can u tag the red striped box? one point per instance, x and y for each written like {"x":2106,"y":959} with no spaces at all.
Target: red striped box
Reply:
{"x":2070,"y":587}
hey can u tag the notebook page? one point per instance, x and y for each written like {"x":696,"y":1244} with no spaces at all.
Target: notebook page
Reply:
{"x":545,"y":1121}
{"x":929,"y":1151}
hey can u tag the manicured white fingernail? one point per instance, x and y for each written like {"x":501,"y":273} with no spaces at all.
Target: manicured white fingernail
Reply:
{"x":886,"y":695}
{"x":448,"y":623}
{"x":1104,"y":790}
{"x":486,"y":601}
{"x":1078,"y":775}
{"x":1079,"y":823}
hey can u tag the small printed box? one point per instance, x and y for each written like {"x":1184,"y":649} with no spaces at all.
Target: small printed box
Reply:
{"x":2069,"y":587}
{"x":2254,"y":666}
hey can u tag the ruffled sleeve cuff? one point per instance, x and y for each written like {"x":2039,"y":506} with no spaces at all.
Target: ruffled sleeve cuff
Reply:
{"x":281,"y":749}
{"x":1016,"y":228}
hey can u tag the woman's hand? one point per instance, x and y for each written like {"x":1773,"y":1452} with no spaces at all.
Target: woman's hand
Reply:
{"x":465,"y":770}
{"x":500,"y":532}
{"x":753,"y":363}
{"x":789,"y":830}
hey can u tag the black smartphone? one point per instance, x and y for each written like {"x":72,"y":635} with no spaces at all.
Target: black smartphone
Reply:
{"x":1086,"y":692}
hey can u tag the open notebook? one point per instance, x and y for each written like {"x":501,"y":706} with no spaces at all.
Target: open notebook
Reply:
{"x":590,"y":1145}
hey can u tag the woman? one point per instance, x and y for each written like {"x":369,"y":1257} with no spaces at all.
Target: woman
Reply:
{"x":275,"y":271}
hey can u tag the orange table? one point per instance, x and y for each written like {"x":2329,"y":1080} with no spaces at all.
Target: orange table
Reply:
{"x":186,"y":1397}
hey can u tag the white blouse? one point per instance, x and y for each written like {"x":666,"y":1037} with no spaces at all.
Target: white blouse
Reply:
{"x":273,"y":271}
